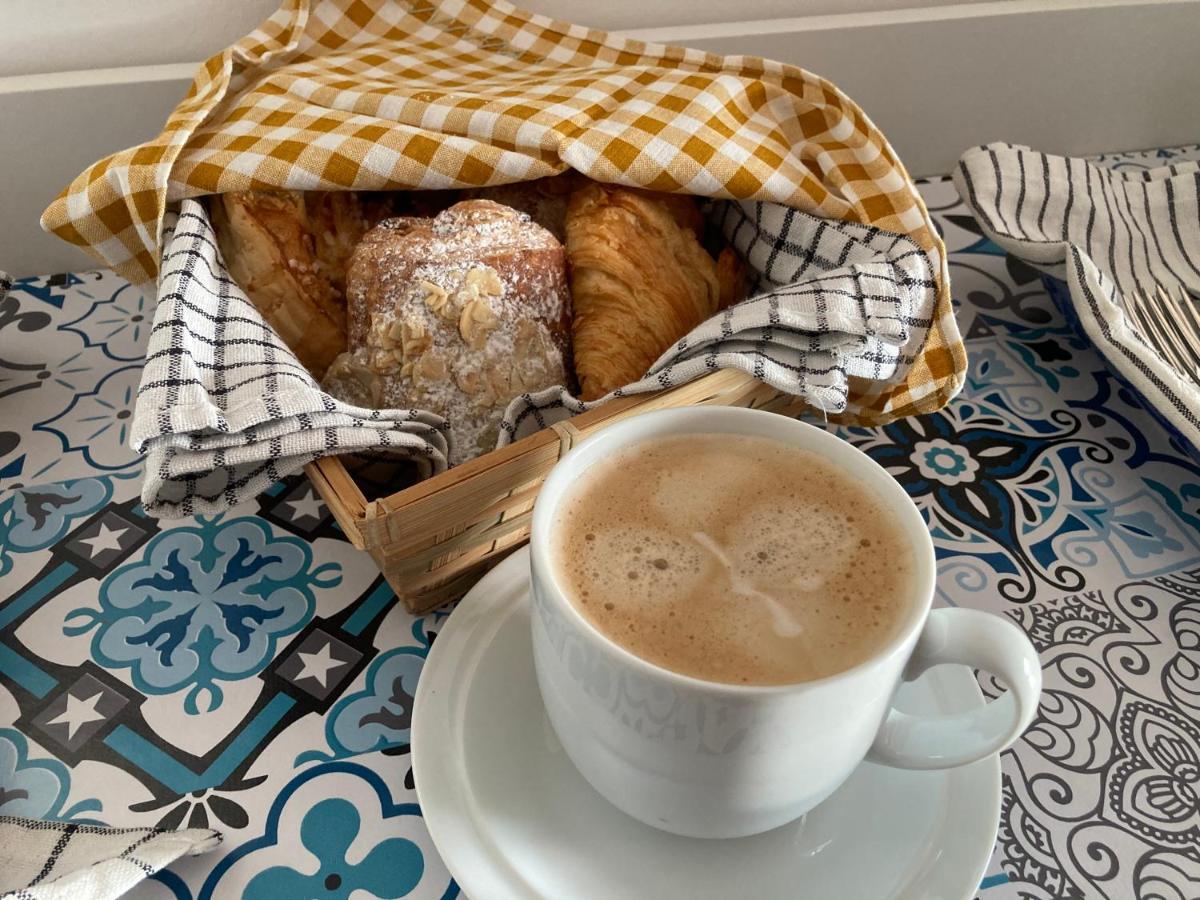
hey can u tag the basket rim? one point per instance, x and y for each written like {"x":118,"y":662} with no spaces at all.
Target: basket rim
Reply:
{"x":353,"y":510}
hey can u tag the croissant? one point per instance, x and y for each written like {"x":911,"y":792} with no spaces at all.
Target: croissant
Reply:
{"x":640,"y":280}
{"x":289,"y":251}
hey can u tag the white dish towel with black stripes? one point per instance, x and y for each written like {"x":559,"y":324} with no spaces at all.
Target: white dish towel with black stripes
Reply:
{"x":1106,"y":233}
{"x":44,"y":860}
{"x":224,"y":408}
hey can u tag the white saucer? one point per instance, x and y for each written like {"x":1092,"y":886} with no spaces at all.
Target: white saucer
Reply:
{"x":512,"y":817}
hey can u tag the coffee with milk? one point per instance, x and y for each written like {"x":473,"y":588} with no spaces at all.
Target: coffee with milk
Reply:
{"x":734,"y":559}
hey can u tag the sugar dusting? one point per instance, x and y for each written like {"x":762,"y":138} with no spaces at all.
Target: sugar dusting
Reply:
{"x":735,"y":559}
{"x":458,"y":315}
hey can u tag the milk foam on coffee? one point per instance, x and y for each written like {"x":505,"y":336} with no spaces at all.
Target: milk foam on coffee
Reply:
{"x":733,"y":558}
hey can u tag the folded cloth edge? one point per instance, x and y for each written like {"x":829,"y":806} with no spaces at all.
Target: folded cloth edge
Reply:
{"x":807,"y":337}
{"x":105,"y":862}
{"x":1095,"y":295}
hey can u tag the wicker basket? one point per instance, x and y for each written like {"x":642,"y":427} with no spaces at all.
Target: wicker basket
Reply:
{"x":434,"y":539}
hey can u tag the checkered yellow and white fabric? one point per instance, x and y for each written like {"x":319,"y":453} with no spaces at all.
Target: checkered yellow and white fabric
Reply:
{"x":393,"y":94}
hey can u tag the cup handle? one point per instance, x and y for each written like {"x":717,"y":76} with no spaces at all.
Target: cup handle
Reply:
{"x":982,"y":641}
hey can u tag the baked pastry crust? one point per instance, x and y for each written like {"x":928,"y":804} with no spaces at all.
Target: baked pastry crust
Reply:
{"x":457,"y":315}
{"x":289,"y":250}
{"x":543,"y":199}
{"x":733,"y":280}
{"x":640,"y":280}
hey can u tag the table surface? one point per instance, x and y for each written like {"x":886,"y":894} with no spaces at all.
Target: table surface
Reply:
{"x":267,"y":667}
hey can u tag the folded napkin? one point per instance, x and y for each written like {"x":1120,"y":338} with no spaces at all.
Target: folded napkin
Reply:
{"x":417,"y":94}
{"x":836,"y":300}
{"x":48,"y":860}
{"x":224,"y":408}
{"x":1106,"y":233}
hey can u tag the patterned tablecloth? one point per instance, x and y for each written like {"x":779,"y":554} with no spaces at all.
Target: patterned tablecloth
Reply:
{"x":260,"y":678}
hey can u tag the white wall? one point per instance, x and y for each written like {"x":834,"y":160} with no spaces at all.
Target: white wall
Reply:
{"x":82,"y":78}
{"x":66,"y":35}
{"x":102,"y":34}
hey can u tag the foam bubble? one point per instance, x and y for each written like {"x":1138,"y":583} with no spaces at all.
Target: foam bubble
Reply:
{"x":734,"y":558}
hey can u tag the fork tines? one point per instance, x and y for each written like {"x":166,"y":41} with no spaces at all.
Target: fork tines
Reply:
{"x":1170,"y":324}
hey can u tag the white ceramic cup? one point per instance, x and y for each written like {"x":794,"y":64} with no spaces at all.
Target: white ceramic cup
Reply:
{"x":708,"y":759}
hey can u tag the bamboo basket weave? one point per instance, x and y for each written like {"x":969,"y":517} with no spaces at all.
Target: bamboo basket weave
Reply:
{"x":434,"y":539}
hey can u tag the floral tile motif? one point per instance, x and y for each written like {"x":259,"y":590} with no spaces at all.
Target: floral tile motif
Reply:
{"x":203,"y":606}
{"x":216,"y":807}
{"x":379,"y":715}
{"x":252,"y":673}
{"x":118,"y":319}
{"x":38,"y":517}
{"x":1106,"y":780}
{"x":56,"y":353}
{"x":1155,"y":787}
{"x":989,"y":483}
{"x":33,"y":785}
{"x":304,"y":847}
{"x":96,"y":423}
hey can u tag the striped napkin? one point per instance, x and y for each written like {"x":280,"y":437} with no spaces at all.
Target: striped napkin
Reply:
{"x":835,"y":301}
{"x":416,"y":94}
{"x":49,"y":860}
{"x":1105,"y":233}
{"x":224,"y":408}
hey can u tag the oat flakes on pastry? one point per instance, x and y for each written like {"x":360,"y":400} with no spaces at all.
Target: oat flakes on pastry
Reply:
{"x":457,"y":315}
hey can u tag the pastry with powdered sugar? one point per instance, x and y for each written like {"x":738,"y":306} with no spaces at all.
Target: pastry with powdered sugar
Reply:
{"x":456,"y":315}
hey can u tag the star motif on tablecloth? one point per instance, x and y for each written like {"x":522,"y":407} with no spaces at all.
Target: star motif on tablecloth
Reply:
{"x":104,"y":539}
{"x":306,"y":506}
{"x":76,"y":715}
{"x":78,"y":712}
{"x":318,"y":665}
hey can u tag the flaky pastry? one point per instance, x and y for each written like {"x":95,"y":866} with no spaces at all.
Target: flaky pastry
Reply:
{"x":640,"y":280}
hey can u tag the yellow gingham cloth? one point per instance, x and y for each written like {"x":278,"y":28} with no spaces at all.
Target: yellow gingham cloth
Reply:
{"x":395,"y":94}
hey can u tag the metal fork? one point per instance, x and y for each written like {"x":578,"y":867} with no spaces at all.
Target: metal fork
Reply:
{"x":1171,"y":325}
